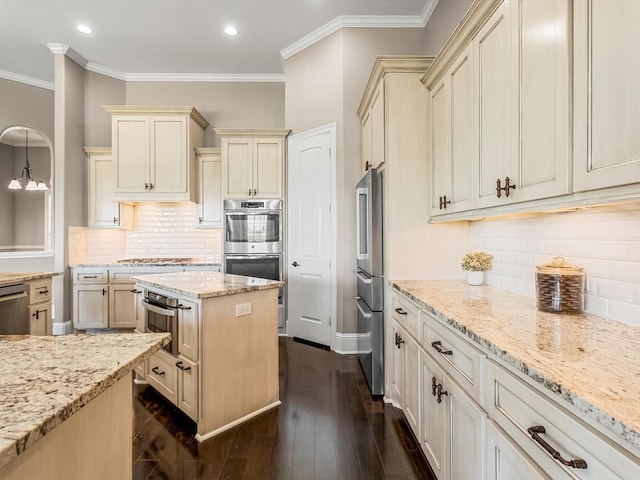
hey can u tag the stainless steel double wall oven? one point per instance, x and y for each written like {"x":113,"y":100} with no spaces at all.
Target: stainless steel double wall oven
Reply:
{"x":253,"y":241}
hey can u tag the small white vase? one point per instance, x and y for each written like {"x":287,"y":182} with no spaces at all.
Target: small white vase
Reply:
{"x":475,"y":278}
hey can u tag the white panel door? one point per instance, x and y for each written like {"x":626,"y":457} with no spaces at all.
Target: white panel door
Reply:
{"x":309,"y":257}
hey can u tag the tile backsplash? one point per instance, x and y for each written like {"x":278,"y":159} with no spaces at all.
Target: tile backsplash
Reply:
{"x":162,"y":230}
{"x":604,"y":241}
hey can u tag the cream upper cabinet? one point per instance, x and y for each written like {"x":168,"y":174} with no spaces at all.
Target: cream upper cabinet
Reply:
{"x":606,"y":94}
{"x":372,"y":118}
{"x":209,"y":187}
{"x":253,"y":162}
{"x":153,"y":152}
{"x":451,"y":139}
{"x":102,"y":211}
{"x":522,"y":65}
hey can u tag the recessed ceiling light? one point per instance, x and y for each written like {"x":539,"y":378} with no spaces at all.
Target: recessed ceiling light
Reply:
{"x":231,"y":30}
{"x":84,"y":29}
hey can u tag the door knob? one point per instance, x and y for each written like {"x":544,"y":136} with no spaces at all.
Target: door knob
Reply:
{"x":295,"y":264}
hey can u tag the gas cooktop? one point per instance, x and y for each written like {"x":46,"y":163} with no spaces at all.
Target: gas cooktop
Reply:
{"x":156,"y":260}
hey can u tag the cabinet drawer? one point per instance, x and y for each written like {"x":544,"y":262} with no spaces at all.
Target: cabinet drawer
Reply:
{"x":90,"y":276}
{"x":40,"y":291}
{"x":517,"y":407}
{"x":162,"y":373}
{"x":460,"y":359}
{"x":406,"y":313}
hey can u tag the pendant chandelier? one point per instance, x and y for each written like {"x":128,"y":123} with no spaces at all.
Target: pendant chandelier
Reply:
{"x":26,"y":181}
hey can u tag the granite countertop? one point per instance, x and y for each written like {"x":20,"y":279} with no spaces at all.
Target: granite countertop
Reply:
{"x":45,"y":380}
{"x":203,"y":284}
{"x":152,"y":262}
{"x":8,"y":278}
{"x":590,"y":362}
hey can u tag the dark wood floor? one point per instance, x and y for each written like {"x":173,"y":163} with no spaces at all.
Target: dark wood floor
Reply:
{"x":328,"y":427}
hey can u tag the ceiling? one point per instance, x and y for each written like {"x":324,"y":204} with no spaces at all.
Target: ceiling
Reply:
{"x":182,"y":39}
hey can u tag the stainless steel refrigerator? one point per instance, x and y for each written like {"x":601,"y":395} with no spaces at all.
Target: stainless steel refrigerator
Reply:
{"x":370,"y":279}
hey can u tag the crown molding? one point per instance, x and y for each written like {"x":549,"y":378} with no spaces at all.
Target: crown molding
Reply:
{"x":62,"y":49}
{"x":34,"y":82}
{"x":102,"y":70}
{"x":361,"y":21}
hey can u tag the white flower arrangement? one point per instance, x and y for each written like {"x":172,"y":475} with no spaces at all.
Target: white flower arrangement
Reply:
{"x":476,"y":261}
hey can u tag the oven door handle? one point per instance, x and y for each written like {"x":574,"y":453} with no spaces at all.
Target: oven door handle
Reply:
{"x":252,"y":212}
{"x":161,"y":311}
{"x":251,"y":257}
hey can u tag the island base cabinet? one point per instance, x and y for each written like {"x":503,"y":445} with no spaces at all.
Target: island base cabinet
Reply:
{"x":40,"y":319}
{"x":95,"y":443}
{"x":162,"y":374}
{"x":505,"y":461}
{"x":188,"y":387}
{"x":517,"y":408}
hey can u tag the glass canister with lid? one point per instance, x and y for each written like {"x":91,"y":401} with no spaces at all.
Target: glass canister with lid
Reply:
{"x":559,"y":287}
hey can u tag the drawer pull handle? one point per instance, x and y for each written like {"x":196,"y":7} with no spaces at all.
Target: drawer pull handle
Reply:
{"x":535,"y":432}
{"x":157,"y":371}
{"x":89,"y":276}
{"x":400,"y":311}
{"x":182,"y":367}
{"x":182,"y":307}
{"x":399,"y":340}
{"x":438,"y":346}
{"x":434,"y":386}
{"x":135,"y":290}
{"x":43,"y":292}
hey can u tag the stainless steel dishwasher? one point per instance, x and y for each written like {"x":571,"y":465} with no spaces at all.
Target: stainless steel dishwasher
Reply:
{"x":14,"y":311}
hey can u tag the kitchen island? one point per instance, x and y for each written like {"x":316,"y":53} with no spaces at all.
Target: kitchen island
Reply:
{"x":65,"y":404}
{"x":223,"y":369}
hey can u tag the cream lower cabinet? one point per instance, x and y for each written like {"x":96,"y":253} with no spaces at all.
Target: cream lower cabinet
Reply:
{"x":209,"y":187}
{"x":40,"y":321}
{"x":252,"y":162}
{"x":407,"y":368}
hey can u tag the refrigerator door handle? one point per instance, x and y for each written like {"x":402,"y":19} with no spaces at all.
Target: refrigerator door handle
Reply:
{"x":362,"y":310}
{"x":363,"y":276}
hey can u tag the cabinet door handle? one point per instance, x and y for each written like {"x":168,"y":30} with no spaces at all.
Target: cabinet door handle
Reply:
{"x":506,"y":189}
{"x":135,"y":291}
{"x":399,"y":340}
{"x":157,"y":371}
{"x":249,"y":192}
{"x":115,"y":220}
{"x":37,"y":315}
{"x":104,"y":291}
{"x":151,"y":186}
{"x":200,"y":220}
{"x":182,"y":367}
{"x":441,"y":392}
{"x":443,"y":202}
{"x":535,"y":432}
{"x":255,"y":192}
{"x":434,"y":386}
{"x":438,"y":346}
{"x":146,"y":186}
{"x":295,"y":264}
{"x":400,"y":311}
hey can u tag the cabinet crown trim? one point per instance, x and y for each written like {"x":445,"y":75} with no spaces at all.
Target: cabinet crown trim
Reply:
{"x":97,"y":150}
{"x":391,"y":64}
{"x":207,"y":150}
{"x":157,"y":110}
{"x":252,"y":132}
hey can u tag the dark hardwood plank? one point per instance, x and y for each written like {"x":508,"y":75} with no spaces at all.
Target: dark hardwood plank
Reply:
{"x":328,"y":427}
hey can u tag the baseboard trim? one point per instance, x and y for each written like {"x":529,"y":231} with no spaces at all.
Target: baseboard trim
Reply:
{"x":61,"y":328}
{"x":217,"y":431}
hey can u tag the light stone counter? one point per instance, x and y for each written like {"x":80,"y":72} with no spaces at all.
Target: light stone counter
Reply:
{"x":151,"y":262}
{"x":203,"y":284}
{"x":45,"y":380}
{"x":591,"y":362}
{"x":8,"y":278}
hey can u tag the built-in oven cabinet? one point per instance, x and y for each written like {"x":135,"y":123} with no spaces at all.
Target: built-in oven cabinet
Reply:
{"x":252,"y":162}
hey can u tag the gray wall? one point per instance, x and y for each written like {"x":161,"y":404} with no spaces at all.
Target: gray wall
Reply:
{"x":444,"y":20}
{"x":33,"y":107}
